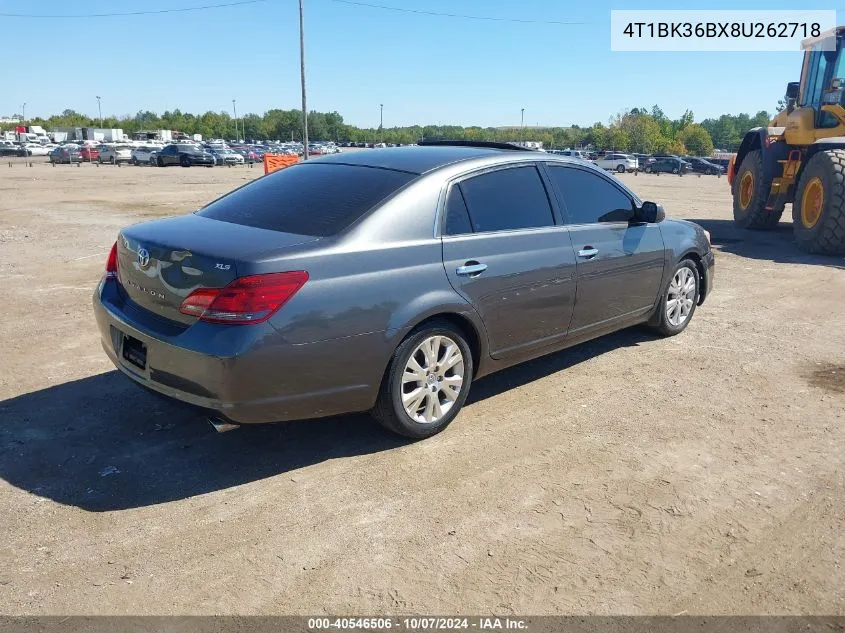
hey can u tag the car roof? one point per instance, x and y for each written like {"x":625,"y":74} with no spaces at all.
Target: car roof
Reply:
{"x":417,"y":160}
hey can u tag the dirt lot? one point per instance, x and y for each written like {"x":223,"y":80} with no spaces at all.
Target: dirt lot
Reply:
{"x":700,"y":474}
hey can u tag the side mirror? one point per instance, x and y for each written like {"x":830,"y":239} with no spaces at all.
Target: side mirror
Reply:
{"x":792,"y":89}
{"x":651,"y":212}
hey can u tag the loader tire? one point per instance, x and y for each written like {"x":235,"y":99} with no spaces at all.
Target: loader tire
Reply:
{"x":818,"y":212}
{"x":750,"y":192}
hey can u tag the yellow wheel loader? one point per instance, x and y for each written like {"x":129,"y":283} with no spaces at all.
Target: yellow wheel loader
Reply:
{"x":800,"y":156}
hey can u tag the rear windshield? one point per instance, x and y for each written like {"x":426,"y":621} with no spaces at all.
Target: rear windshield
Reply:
{"x":316,"y":199}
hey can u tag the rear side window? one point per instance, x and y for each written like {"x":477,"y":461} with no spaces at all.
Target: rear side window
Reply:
{"x":316,"y":199}
{"x":457,"y":216}
{"x":589,"y":198}
{"x":507,"y":199}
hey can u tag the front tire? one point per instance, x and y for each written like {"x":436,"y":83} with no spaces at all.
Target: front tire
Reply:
{"x":679,"y":300}
{"x":818,"y":211}
{"x":749,"y":194}
{"x":426,"y":382}
{"x":159,"y":162}
{"x":620,"y":169}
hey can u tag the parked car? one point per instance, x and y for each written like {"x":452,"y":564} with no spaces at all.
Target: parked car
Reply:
{"x":668,"y":165}
{"x":573,"y":153}
{"x":114,"y":154}
{"x":185,"y":155}
{"x":643,"y":159}
{"x":703,"y":166}
{"x":69,"y":153}
{"x":225,"y":156}
{"x":89,"y":153}
{"x":9,"y":148}
{"x":145,"y":155}
{"x":257,"y":310}
{"x":617,"y":162}
{"x":33,"y":149}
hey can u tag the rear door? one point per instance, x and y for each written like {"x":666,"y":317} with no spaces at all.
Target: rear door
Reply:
{"x":620,"y":265}
{"x":169,"y":155}
{"x":506,"y":254}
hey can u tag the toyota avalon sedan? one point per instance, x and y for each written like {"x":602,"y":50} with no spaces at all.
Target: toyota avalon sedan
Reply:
{"x":387,"y":281}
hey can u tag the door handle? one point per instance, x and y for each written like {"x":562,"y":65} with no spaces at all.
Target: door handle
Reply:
{"x":471,"y":269}
{"x":588,"y":252}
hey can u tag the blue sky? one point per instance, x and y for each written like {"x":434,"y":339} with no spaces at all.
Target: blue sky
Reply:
{"x":424,"y":69}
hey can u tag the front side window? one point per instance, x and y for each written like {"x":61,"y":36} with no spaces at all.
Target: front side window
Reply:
{"x":507,"y":200}
{"x":589,"y":198}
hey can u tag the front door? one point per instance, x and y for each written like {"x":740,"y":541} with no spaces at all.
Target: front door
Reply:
{"x":620,"y":264}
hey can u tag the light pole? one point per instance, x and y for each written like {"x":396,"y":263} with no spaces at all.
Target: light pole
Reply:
{"x":522,"y":125}
{"x":100,"y":111}
{"x":381,"y":121}
{"x":23,"y":112}
{"x":237,"y":134}
{"x":302,"y":77}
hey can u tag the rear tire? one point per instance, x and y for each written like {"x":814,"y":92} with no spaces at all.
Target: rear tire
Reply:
{"x":620,"y":169}
{"x":390,"y":409}
{"x":679,"y":300}
{"x":819,"y":221}
{"x":159,"y":162}
{"x":749,"y":194}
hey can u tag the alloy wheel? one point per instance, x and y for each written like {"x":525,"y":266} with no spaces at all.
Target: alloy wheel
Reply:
{"x":681,"y":296}
{"x":432,"y":380}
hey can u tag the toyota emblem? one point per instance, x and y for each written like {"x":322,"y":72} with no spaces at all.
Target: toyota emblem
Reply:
{"x":143,"y":257}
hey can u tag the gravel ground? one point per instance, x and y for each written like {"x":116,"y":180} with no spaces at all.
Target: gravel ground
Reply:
{"x":699,"y":474}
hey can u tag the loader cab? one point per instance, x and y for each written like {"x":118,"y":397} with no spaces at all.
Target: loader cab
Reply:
{"x":822,"y":80}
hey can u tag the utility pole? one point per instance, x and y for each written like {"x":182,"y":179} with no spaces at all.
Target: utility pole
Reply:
{"x":100,"y":111}
{"x":237,"y":134}
{"x":302,"y":75}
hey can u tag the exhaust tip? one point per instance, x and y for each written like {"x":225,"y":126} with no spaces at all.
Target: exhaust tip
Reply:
{"x":221,"y":426}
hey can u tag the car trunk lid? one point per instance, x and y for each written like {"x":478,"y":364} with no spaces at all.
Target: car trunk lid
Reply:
{"x":160,"y":263}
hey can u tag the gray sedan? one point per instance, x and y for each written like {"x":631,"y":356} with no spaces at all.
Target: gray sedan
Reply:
{"x":386,"y":281}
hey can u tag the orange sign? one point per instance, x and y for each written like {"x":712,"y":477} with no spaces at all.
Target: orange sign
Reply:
{"x":272,"y":162}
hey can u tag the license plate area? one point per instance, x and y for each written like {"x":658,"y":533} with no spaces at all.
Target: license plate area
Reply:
{"x":134,"y":351}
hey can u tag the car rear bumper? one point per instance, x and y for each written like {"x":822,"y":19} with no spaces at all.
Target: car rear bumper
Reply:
{"x":242,"y":373}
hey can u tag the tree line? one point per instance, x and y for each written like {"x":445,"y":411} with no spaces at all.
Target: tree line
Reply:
{"x":645,"y":130}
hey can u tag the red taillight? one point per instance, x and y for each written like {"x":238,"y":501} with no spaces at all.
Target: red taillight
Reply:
{"x":250,"y":299}
{"x":111,"y":263}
